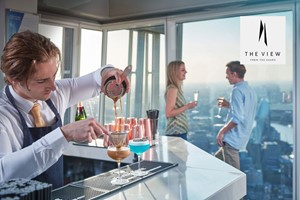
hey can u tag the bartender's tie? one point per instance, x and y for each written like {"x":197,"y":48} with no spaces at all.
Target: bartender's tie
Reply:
{"x":36,"y":113}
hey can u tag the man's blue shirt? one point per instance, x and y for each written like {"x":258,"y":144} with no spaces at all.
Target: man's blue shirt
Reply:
{"x":243,"y":103}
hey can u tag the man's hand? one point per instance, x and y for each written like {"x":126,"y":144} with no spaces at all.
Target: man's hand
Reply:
{"x":227,"y":127}
{"x":223,"y":103}
{"x":220,"y":138}
{"x":83,"y":130}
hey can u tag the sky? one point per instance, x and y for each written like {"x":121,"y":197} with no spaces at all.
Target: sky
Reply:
{"x":209,"y":45}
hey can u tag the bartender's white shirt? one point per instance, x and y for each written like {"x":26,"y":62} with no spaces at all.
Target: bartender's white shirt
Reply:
{"x":31,"y":161}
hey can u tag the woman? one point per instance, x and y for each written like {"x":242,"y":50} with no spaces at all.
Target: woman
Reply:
{"x":177,"y":124}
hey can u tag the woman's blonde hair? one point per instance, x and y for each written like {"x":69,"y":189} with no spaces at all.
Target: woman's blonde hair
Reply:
{"x":172,"y":73}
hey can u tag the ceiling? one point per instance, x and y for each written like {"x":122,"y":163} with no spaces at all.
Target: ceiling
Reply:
{"x":107,"y":11}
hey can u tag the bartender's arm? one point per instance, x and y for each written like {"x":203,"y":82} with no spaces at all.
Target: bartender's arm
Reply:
{"x":31,"y":161}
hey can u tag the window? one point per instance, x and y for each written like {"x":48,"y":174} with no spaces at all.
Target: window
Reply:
{"x":143,"y":48}
{"x":62,"y":37}
{"x":90,"y":60}
{"x":55,"y":33}
{"x":268,"y":161}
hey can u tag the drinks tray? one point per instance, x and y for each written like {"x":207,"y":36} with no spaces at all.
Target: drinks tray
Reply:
{"x":98,"y":186}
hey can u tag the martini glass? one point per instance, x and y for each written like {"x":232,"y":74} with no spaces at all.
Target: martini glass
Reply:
{"x":139,"y":146}
{"x":118,"y":151}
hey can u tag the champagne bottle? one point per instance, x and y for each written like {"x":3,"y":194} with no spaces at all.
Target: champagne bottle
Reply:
{"x":80,"y":112}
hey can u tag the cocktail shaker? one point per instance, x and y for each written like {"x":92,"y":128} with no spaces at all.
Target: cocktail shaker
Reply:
{"x":115,"y":90}
{"x":153,"y":114}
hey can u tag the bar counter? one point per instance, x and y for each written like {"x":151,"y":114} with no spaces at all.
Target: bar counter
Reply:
{"x":198,"y":174}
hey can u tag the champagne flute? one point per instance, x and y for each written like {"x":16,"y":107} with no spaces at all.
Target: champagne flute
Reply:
{"x":196,"y":96}
{"x":118,"y":151}
{"x":139,"y":146}
{"x":220,"y":101}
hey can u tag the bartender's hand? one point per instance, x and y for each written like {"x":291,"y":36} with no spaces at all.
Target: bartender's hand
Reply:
{"x":114,"y":72}
{"x":83,"y":131}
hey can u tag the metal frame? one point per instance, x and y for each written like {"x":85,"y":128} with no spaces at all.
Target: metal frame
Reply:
{"x":296,"y":175}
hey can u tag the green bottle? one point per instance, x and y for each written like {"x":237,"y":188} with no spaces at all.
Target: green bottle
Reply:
{"x":80,"y":112}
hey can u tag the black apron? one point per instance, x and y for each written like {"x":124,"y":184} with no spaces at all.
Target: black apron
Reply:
{"x":54,"y":174}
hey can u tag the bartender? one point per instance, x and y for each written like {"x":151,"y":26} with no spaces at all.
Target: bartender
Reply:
{"x":32,"y":106}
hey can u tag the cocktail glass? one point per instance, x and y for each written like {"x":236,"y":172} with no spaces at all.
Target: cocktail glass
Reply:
{"x":118,"y":151}
{"x":139,"y":146}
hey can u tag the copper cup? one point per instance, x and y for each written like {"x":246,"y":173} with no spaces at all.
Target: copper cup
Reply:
{"x":148,"y":131}
{"x":137,"y":131}
{"x":110,"y":128}
{"x":134,"y":131}
{"x":132,"y":121}
{"x":125,"y":128}
{"x":142,"y":124}
{"x":119,"y":121}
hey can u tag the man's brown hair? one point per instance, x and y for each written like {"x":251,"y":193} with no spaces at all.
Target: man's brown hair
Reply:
{"x":23,"y":51}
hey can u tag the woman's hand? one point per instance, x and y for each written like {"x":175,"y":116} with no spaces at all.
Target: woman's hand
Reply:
{"x":191,"y":105}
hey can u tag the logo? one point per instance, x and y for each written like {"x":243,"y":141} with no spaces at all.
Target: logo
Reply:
{"x":262,"y":40}
{"x":263,"y":30}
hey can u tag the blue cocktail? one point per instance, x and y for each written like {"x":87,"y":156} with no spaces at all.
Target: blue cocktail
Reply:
{"x":139,"y":146}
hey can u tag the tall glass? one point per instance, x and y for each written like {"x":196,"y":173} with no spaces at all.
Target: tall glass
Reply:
{"x":220,"y":101}
{"x":196,"y":96}
{"x":118,"y":151}
{"x":139,"y":146}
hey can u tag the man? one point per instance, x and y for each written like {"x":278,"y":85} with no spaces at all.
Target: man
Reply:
{"x":235,"y":134}
{"x":31,"y":147}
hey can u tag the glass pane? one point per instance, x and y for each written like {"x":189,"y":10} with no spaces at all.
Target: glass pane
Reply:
{"x":137,"y":47}
{"x":90,"y":60}
{"x":117,"y":49}
{"x":117,"y":55}
{"x":90,"y":53}
{"x":55,"y":33}
{"x":268,"y":159}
